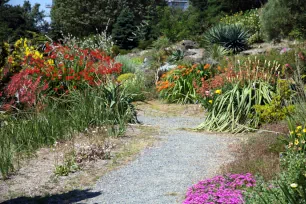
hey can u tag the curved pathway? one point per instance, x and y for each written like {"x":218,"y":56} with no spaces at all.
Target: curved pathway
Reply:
{"x":162,"y":174}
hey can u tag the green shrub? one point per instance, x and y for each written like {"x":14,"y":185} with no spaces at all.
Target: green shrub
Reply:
{"x":231,"y":37}
{"x":280,"y":17}
{"x":125,"y":77}
{"x":274,"y":111}
{"x":249,"y":20}
{"x":144,"y":44}
{"x":177,"y":24}
{"x":161,"y":43}
{"x":128,"y":65}
{"x":289,"y":187}
{"x":256,"y":38}
{"x":117,"y":51}
{"x":136,"y":87}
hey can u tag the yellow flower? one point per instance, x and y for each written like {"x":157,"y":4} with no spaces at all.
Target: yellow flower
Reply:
{"x":37,"y":55}
{"x":296,"y":142}
{"x":304,"y":130}
{"x":25,"y":43}
{"x":218,"y":91}
{"x":210,"y":101}
{"x":294,"y":185}
{"x":18,"y":42}
{"x":50,"y":62}
{"x":27,"y":52}
{"x":298,"y":128}
{"x":291,"y":132}
{"x":299,"y":134}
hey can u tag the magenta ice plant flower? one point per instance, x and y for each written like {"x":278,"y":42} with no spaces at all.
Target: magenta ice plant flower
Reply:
{"x":226,"y":189}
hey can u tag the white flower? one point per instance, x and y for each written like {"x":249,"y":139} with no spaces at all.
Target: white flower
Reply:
{"x":294,"y":185}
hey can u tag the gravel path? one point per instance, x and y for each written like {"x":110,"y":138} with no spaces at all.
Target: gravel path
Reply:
{"x":162,"y":174}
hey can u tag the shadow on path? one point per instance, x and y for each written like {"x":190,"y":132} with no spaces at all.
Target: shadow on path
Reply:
{"x":69,"y":197}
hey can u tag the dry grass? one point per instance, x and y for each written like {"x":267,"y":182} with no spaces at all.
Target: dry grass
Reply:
{"x":36,"y":177}
{"x":258,"y":154}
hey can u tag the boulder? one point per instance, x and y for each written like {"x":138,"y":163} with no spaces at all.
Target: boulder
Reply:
{"x":166,"y":67}
{"x":254,"y":51}
{"x":189,"y":44}
{"x":194,"y":55}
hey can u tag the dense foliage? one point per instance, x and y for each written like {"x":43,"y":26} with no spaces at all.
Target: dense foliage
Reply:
{"x":16,"y":21}
{"x":282,"y":18}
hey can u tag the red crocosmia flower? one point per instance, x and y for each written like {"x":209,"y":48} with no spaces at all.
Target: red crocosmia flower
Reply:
{"x":6,"y":107}
{"x":10,"y":59}
{"x":45,"y":87}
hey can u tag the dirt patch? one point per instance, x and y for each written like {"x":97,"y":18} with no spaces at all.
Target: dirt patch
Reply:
{"x":158,"y":108}
{"x":257,"y":153}
{"x":36,"y":176}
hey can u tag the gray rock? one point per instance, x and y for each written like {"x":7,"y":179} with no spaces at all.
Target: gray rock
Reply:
{"x":188,"y":44}
{"x":167,"y":67}
{"x":254,"y":51}
{"x":194,"y":55}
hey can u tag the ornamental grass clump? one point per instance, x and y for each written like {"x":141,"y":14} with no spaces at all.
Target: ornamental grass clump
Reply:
{"x":230,"y":97}
{"x":220,"y":189}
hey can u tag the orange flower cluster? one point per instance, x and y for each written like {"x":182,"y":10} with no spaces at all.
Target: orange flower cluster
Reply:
{"x":161,"y":85}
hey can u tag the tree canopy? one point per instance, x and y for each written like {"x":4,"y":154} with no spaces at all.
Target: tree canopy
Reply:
{"x":15,"y":21}
{"x":82,"y":18}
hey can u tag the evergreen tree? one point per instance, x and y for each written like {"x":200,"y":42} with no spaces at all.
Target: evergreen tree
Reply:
{"x":15,"y":21}
{"x":280,"y":18}
{"x":124,"y":28}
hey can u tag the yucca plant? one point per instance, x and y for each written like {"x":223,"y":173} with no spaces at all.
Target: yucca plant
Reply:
{"x":232,"y":37}
{"x":233,"y":110}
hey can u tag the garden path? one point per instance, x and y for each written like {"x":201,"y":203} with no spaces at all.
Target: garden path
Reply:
{"x":162,"y":174}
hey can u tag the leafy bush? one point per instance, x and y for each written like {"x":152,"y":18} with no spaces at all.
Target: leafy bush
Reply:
{"x":177,"y":85}
{"x":136,"y":87}
{"x":161,"y":43}
{"x":289,"y":187}
{"x":256,"y":38}
{"x":280,"y":17}
{"x":101,"y":41}
{"x":128,"y":65}
{"x":177,"y":24}
{"x":125,"y":77}
{"x":144,"y":44}
{"x":274,"y":111}
{"x":249,"y":20}
{"x":232,"y":37}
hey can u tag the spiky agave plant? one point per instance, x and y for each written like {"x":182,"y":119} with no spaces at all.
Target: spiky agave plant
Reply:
{"x":232,"y":37}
